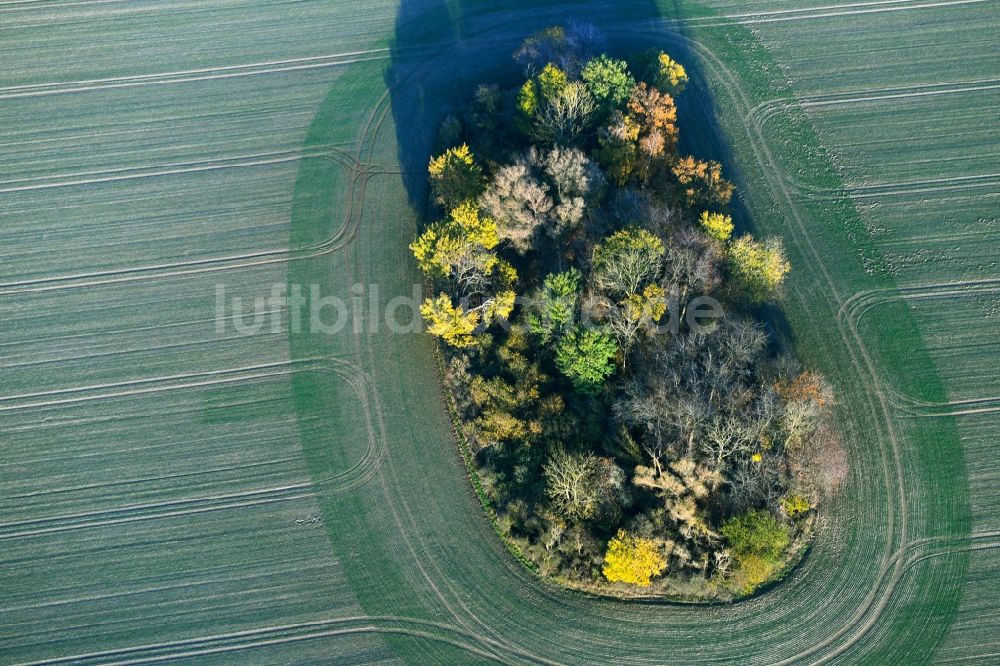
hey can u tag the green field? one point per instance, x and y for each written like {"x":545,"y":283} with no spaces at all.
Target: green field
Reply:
{"x":172,"y":493}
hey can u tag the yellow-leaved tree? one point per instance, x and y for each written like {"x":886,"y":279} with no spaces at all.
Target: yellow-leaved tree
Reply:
{"x":458,"y":254}
{"x":452,"y":324}
{"x":670,"y":74}
{"x":759,"y":267}
{"x":455,"y":177}
{"x":717,"y":225}
{"x":632,"y":559}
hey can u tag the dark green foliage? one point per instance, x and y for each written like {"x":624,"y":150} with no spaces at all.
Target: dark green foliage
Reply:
{"x":586,"y":357}
{"x":755,"y":533}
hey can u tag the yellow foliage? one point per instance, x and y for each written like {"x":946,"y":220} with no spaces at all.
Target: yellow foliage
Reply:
{"x":500,"y":307}
{"x":672,"y":73}
{"x":541,"y":90}
{"x":632,"y":559}
{"x":717,"y":225}
{"x":453,"y":156}
{"x":551,"y":81}
{"x":761,"y":267}
{"x":455,"y":177}
{"x":753,"y":571}
{"x":794,"y":504}
{"x":527,"y":98}
{"x":650,"y":305}
{"x":451,"y":241}
{"x":448,"y":322}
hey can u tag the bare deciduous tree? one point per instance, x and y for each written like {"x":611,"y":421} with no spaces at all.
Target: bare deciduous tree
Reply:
{"x":518,"y":202}
{"x":565,"y":117}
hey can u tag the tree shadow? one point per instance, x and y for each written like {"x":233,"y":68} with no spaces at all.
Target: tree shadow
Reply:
{"x":443,"y":48}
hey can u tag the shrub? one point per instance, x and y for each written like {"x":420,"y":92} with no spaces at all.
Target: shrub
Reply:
{"x":632,"y":559}
{"x":757,"y":542}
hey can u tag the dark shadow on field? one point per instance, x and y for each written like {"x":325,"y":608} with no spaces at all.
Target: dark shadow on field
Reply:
{"x":443,"y":48}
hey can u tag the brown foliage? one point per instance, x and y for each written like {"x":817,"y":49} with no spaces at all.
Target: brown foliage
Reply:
{"x":806,"y":386}
{"x":702,"y":183}
{"x":655,"y":112}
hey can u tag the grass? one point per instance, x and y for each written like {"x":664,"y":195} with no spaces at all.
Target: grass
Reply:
{"x":136,"y":545}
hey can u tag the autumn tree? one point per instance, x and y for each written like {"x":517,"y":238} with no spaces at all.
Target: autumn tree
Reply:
{"x":519,"y":203}
{"x":567,"y":47}
{"x":458,"y":253}
{"x":632,"y":559}
{"x":486,"y":107}
{"x":449,"y":322}
{"x":576,"y":181}
{"x":564,"y":116}
{"x":516,"y":404}
{"x":571,"y":484}
{"x":459,"y":248}
{"x":760,"y":268}
{"x":538,"y":92}
{"x":637,"y":314}
{"x":692,"y":381}
{"x":701,"y":183}
{"x":550,"y":45}
{"x":619,"y":146}
{"x":794,"y":505}
{"x":586,"y":358}
{"x":806,"y":398}
{"x":716,"y":225}
{"x":455,"y":177}
{"x":626,"y":260}
{"x":684,"y":486}
{"x":662,"y":71}
{"x":691,"y":267}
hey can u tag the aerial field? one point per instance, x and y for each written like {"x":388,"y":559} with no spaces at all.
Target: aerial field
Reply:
{"x":176,"y":486}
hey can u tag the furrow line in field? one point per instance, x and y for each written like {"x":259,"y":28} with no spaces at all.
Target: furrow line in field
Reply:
{"x":154,"y":172}
{"x":153,"y":516}
{"x":765,"y":111}
{"x":862,"y":303}
{"x":344,"y":235}
{"x":263,"y":636}
{"x":854,"y":344}
{"x":188,"y":72}
{"x":14,"y":528}
{"x":147,"y":479}
{"x":117,"y":333}
{"x":63,"y":179}
{"x":187,"y":79}
{"x":850,"y":12}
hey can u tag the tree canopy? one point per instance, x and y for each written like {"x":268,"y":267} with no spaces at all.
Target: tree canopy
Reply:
{"x":622,"y":435}
{"x":632,"y":559}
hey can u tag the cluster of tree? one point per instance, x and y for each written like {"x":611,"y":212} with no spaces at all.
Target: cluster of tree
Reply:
{"x":620,"y":440}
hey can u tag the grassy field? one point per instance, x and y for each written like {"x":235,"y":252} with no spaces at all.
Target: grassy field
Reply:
{"x":169,"y":492}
